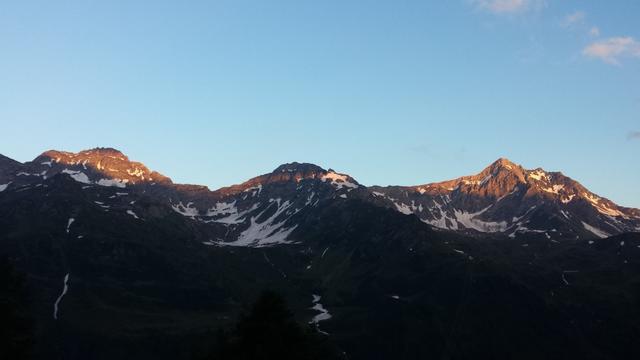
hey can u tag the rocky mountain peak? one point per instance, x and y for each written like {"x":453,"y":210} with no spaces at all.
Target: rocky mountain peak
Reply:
{"x":292,"y":172}
{"x":102,"y":163}
{"x":293,"y":180}
{"x":296,"y":167}
{"x":505,"y":166}
{"x":99,"y":153}
{"x":504,"y":162}
{"x":297,"y":172}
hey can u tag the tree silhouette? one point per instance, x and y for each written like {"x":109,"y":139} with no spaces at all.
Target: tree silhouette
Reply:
{"x":269,"y":332}
{"x":16,"y":327}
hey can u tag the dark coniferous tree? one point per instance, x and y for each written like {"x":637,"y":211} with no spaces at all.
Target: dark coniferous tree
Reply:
{"x":270,"y":332}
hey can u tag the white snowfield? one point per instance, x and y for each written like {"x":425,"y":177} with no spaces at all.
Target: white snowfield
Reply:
{"x":338,"y":180}
{"x":78,"y":176}
{"x":69,"y":222}
{"x":255,"y":190}
{"x":597,"y":232}
{"x":64,"y":291}
{"x":555,"y":189}
{"x":186,"y":210}
{"x":260,"y":232}
{"x":113,"y":182}
{"x":539,"y":175}
{"x":323,"y":313}
{"x":130,"y":212}
{"x":81,"y":177}
{"x":3,"y":187}
{"x":470,"y":221}
{"x":463,"y":220}
{"x":269,"y":232}
{"x":227,"y":213}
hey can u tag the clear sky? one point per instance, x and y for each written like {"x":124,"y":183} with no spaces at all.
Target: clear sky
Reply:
{"x":391,"y":92}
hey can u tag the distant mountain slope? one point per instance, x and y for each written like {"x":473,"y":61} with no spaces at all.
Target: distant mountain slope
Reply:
{"x":506,"y":198}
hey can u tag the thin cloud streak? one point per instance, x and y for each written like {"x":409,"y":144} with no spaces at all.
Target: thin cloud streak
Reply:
{"x":577,"y":17}
{"x":613,"y":49}
{"x":633,"y":135}
{"x":507,"y":6}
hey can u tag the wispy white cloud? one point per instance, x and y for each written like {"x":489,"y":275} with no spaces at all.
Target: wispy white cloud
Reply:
{"x":594,"y":31}
{"x":574,"y":18}
{"x":633,"y":135}
{"x":613,"y":49}
{"x":507,"y":6}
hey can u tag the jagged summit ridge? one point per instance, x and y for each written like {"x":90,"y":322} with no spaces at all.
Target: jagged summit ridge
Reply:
{"x":299,"y":167}
{"x":502,"y":198}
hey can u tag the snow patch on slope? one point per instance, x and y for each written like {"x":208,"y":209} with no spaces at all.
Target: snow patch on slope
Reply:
{"x":223,"y":208}
{"x":555,"y":189}
{"x":185,"y":210}
{"x":255,"y":190}
{"x":539,"y":175}
{"x":64,"y":291}
{"x":322,"y":316}
{"x":130,"y":212}
{"x":470,"y":221}
{"x":441,"y":220}
{"x":3,"y":187}
{"x":266,"y":233}
{"x":597,"y":232}
{"x":78,"y":176}
{"x":233,"y":216}
{"x":71,"y":220}
{"x":338,"y":180}
{"x":81,"y":177}
{"x":112,"y":182}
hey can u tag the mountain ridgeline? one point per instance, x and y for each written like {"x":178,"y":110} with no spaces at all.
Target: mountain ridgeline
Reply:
{"x":120,"y":261}
{"x":503,"y":199}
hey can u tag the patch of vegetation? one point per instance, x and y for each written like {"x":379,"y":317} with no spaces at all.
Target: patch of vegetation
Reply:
{"x":268,"y":332}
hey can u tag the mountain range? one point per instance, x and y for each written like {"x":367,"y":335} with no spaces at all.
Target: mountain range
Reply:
{"x":504,"y":198}
{"x":507,"y":263}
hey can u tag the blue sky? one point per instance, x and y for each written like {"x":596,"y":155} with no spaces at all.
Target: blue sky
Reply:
{"x":391,"y":92}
